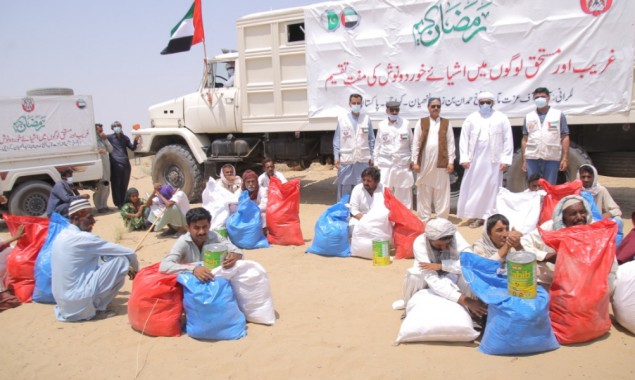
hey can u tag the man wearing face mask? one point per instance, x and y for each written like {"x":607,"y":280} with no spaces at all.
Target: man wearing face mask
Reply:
{"x":353,"y":144}
{"x":485,"y":149}
{"x":545,"y":143}
{"x":229,"y":66}
{"x":392,"y":154}
{"x":119,"y":163}
{"x":63,"y":194}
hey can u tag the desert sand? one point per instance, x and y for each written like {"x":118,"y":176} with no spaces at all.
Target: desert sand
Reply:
{"x":335,"y":321}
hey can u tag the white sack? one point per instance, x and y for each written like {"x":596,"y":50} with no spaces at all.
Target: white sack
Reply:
{"x":522,"y":209}
{"x":372,"y":226}
{"x":623,"y":299}
{"x":430,"y":318}
{"x":216,"y":200}
{"x":250,"y":283}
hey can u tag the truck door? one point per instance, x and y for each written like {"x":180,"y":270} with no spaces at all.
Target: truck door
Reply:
{"x":217,"y":103}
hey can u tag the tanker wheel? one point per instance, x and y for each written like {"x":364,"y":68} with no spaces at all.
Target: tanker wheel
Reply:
{"x":615,"y":164}
{"x":175,"y":165}
{"x":516,"y":179}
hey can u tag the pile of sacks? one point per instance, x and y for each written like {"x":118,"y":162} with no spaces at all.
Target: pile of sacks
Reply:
{"x":214,"y":310}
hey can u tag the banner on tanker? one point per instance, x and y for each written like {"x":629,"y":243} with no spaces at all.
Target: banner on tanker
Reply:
{"x":411,"y":50}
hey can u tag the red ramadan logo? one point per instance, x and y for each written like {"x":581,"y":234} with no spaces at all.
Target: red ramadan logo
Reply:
{"x":595,"y":7}
{"x":28,"y":105}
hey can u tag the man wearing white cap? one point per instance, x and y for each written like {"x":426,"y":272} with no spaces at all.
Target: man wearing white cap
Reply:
{"x":392,"y":154}
{"x":86,"y":271}
{"x":485,"y":152}
{"x":437,"y":267}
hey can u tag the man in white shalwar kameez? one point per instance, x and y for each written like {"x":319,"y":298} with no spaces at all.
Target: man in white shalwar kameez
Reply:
{"x":364,"y":196}
{"x":392,"y":154}
{"x":433,"y":161}
{"x":438,"y":268}
{"x":353,"y":143}
{"x":86,"y":271}
{"x":486,"y":148}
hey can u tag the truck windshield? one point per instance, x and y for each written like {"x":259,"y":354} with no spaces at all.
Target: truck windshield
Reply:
{"x":210,"y":78}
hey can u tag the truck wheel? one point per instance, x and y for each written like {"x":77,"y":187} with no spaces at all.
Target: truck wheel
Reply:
{"x":50,"y":91}
{"x":30,"y":198}
{"x":175,"y":165}
{"x":516,"y":179}
{"x":615,"y":164}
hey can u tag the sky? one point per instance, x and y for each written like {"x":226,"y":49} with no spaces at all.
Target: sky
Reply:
{"x":111,"y":49}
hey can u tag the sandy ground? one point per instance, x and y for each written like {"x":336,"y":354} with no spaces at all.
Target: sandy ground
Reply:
{"x":335,"y":321}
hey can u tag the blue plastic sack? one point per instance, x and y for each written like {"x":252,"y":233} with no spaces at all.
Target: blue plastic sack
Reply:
{"x":42,"y":292}
{"x":244,"y":227}
{"x":596,"y":213}
{"x":515,"y":325}
{"x":596,"y":216}
{"x":331,"y":231}
{"x":211,"y":309}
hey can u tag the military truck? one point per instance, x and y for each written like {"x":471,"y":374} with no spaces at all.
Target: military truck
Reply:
{"x":294,"y":70}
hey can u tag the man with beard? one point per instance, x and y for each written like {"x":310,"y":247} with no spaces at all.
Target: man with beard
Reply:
{"x":572,"y":210}
{"x":364,"y":195}
{"x":86,"y":271}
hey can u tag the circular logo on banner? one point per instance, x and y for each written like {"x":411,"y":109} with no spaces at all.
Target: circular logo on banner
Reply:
{"x":80,"y":103}
{"x":330,"y":20}
{"x":350,"y":18}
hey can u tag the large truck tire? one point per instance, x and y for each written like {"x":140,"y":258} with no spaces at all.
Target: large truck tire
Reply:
{"x":50,"y":91}
{"x":175,"y":165}
{"x":516,"y":179}
{"x":615,"y":164}
{"x":30,"y":198}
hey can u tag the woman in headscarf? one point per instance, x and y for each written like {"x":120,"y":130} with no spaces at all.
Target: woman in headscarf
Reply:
{"x":497,"y":240}
{"x":134,"y":211}
{"x":229,"y":180}
{"x":168,"y":207}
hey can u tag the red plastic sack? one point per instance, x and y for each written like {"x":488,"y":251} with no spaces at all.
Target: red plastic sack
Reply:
{"x":406,"y":226}
{"x":156,"y":303}
{"x":21,"y":260}
{"x":579,"y":306}
{"x":283,"y":212}
{"x":554,"y":194}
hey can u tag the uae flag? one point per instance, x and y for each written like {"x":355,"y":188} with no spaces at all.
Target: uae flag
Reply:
{"x":188,"y":32}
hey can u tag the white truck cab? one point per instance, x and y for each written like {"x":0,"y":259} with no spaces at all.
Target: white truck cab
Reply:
{"x":43,"y":133}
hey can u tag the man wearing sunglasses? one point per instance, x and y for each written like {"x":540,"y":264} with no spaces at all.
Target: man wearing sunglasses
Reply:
{"x":433,"y":160}
{"x":545,"y":144}
{"x":485,"y":149}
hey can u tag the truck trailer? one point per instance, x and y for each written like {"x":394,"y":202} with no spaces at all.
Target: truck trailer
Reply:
{"x":295,"y":68}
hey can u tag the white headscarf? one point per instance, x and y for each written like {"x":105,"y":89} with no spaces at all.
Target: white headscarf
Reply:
{"x":594,"y":189}
{"x":436,"y":229}
{"x":233,"y":185}
{"x":569,"y":200}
